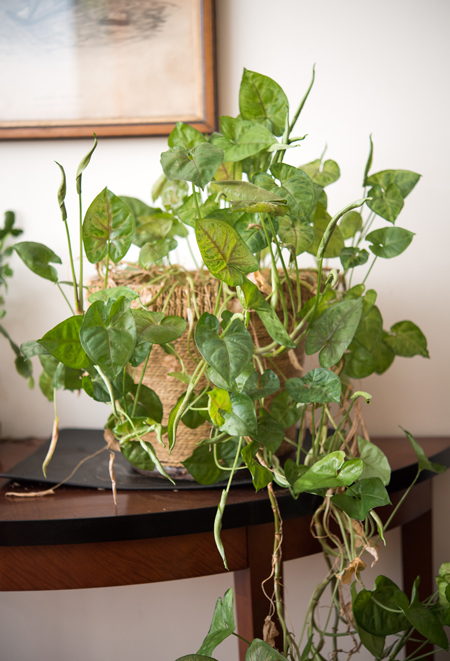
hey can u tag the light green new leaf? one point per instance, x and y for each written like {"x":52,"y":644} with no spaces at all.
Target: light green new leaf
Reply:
{"x":185,"y":136}
{"x":318,"y":386}
{"x":244,"y":191}
{"x":153,"y":252}
{"x":363,"y":496}
{"x":404,"y":179}
{"x":63,"y":342}
{"x":108,"y":335}
{"x":423,"y":462}
{"x":218,"y":399}
{"x":241,"y":139}
{"x":350,"y":224}
{"x":322,"y":175}
{"x":389,"y":242}
{"x":375,"y":461}
{"x":407,"y":340}
{"x":108,"y":228}
{"x":230,"y":354}
{"x":197,"y":165}
{"x":38,"y":258}
{"x":155,"y":328}
{"x":335,"y":329}
{"x":386,"y":204}
{"x":222,"y":624}
{"x":272,"y":208}
{"x":224,"y":252}
{"x":84,"y":163}
{"x":261,"y":98}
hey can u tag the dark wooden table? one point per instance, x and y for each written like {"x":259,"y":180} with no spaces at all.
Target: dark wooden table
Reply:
{"x":78,"y":538}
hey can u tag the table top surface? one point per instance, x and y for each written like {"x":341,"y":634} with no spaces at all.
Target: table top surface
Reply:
{"x":77,"y":515}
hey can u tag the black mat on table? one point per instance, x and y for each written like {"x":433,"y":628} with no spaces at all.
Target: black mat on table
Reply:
{"x":76,"y":444}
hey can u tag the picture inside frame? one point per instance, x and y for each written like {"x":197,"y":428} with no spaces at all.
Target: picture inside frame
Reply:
{"x":100,"y":62}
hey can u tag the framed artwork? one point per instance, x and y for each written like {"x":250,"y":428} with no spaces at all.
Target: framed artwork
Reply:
{"x":69,"y":68}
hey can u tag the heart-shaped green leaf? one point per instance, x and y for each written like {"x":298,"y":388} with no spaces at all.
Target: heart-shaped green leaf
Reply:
{"x":113,"y":293}
{"x":352,"y":257}
{"x":375,"y":461}
{"x":258,"y":385}
{"x":63,"y":342}
{"x":224,"y":252}
{"x":155,"y":328}
{"x":38,"y":258}
{"x":187,"y":213}
{"x":222,"y":624}
{"x":322,"y":174}
{"x":285,"y":410}
{"x":244,"y":191}
{"x":270,"y":432}
{"x":108,"y":335}
{"x":330,"y":472}
{"x":386,"y":204}
{"x":377,"y":611}
{"x":335,"y":329}
{"x":297,"y":236}
{"x":197,"y":165}
{"x":406,"y":339}
{"x":261,"y":476}
{"x":252,"y":232}
{"x":230,"y":354}
{"x":318,"y":386}
{"x":240,"y":138}
{"x":108,"y":228}
{"x":363,"y":496}
{"x":404,"y":179}
{"x":261,"y":98}
{"x":153,"y":252}
{"x":423,"y":462}
{"x":242,"y":419}
{"x":218,"y":399}
{"x":185,"y":136}
{"x":350,"y":224}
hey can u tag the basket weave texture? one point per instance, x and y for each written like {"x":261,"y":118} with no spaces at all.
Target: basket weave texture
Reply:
{"x":191,"y":294}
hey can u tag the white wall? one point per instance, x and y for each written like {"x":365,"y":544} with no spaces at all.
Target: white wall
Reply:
{"x":381,"y":68}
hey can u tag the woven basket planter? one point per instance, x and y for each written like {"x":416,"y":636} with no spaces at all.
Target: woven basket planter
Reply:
{"x":191,"y":294}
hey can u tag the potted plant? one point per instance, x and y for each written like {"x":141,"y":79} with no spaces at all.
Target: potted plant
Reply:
{"x":253,"y":215}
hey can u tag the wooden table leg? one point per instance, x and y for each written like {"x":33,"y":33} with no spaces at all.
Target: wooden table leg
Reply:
{"x":417,"y":553}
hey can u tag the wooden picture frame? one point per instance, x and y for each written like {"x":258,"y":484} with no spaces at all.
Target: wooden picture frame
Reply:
{"x":144,"y":66}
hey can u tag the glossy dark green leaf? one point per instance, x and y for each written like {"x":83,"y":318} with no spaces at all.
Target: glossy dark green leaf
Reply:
{"x":153,"y":252}
{"x":425,"y":622}
{"x":270,"y":432}
{"x":352,"y":257}
{"x":363,"y":496}
{"x":261,"y":476}
{"x":197,"y":165}
{"x":242,"y":419}
{"x":404,"y":179}
{"x":261,"y":98}
{"x":423,"y":462}
{"x":258,"y":650}
{"x":293,"y":471}
{"x":185,"y":136}
{"x":322,"y":174}
{"x":113,"y":293}
{"x":137,"y":456}
{"x":285,"y":410}
{"x":375,"y":644}
{"x":108,"y":228}
{"x":149,"y":404}
{"x":203,"y":468}
{"x":330,"y":472}
{"x":224,"y":252}
{"x":95,"y":387}
{"x":108,"y":335}
{"x":318,"y":386}
{"x":375,"y":461}
{"x":156,"y":328}
{"x":389,"y":242}
{"x":335,"y":329}
{"x":261,"y":385}
{"x":336,"y":243}
{"x":63,"y":342}
{"x":369,"y":611}
{"x":241,"y":138}
{"x":386,"y":204}
{"x":222,"y":624}
{"x":38,"y":259}
{"x":228,"y":355}
{"x":406,"y":339}
{"x":383,"y":355}
{"x":350,"y":224}
{"x":297,"y":236}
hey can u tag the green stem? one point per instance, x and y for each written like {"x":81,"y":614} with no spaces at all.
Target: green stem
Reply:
{"x":275,"y":273}
{"x":65,"y":298}
{"x":368,"y":272}
{"x":192,"y":254}
{"x":136,"y":397}
{"x":300,"y":434}
{"x":300,"y":108}
{"x":105,"y":284}
{"x":288,"y":280}
{"x":199,"y":215}
{"x":219,"y":294}
{"x":401,"y":643}
{"x":109,"y":388}
{"x":77,"y":304}
{"x":80,"y":293}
